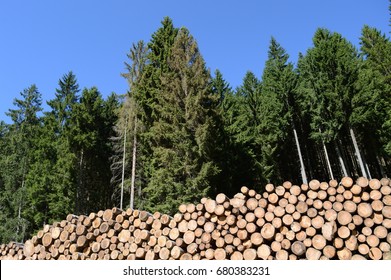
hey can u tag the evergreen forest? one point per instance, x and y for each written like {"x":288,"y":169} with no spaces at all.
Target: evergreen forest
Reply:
{"x":181,"y":132}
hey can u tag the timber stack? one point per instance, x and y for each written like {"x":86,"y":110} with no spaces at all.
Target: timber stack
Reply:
{"x":322,"y":220}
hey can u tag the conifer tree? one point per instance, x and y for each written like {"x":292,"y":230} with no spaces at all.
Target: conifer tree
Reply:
{"x":128,"y":127}
{"x":328,"y":74}
{"x":16,"y":161}
{"x":182,"y":164}
{"x":245,"y":120}
{"x":278,"y":83}
{"x":371,"y":105}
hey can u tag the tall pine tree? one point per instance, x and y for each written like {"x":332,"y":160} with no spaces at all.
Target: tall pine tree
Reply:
{"x":182,"y":140}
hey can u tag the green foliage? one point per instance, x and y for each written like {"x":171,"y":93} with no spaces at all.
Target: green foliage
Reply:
{"x":18,"y":146}
{"x":373,"y":102}
{"x":328,"y":73}
{"x":278,"y":82}
{"x":241,"y":117}
{"x":181,"y":165}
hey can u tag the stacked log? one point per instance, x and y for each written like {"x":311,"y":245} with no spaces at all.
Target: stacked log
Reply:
{"x":321,"y":220}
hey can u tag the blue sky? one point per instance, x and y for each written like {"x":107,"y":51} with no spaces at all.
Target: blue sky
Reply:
{"x":43,"y":39}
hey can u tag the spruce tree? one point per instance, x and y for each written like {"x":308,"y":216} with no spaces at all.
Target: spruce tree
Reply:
{"x":16,"y":161}
{"x":244,"y":124}
{"x":276,"y":113}
{"x":328,"y":74}
{"x":93,"y":123}
{"x":128,"y":129}
{"x":182,"y":138}
{"x":371,"y":105}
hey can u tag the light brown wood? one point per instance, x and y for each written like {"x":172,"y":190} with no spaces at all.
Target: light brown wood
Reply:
{"x":329,"y":251}
{"x":344,"y":254}
{"x":318,"y":242}
{"x":313,"y":254}
{"x":263,"y":252}
{"x":364,"y":210}
{"x":298,"y":248}
{"x":220,"y":254}
{"x":386,"y":211}
{"x":375,"y":253}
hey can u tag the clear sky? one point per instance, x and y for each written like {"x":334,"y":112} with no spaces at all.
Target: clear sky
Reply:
{"x":41,"y":40}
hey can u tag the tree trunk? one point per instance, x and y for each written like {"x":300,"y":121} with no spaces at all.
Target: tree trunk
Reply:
{"x":123,"y":165}
{"x":358,"y":154}
{"x":380,"y":162}
{"x":302,"y":167}
{"x":133,"y":164}
{"x":79,"y":187}
{"x":327,"y":160}
{"x":341,"y":161}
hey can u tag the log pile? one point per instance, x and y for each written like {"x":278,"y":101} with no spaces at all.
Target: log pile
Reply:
{"x":346,"y":220}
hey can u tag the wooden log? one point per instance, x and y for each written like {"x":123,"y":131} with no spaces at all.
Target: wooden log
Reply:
{"x":263,"y":252}
{"x":328,"y":230}
{"x":252,"y":204}
{"x":347,"y":182}
{"x":282,"y":255}
{"x":344,"y":217}
{"x":305,"y":222}
{"x":344,"y":254}
{"x":298,"y":248}
{"x":314,"y":185}
{"x":273,"y":198}
{"x":377,"y":205}
{"x":280,"y":191}
{"x":329,"y":251}
{"x":357,"y":257}
{"x":28,"y":248}
{"x":313,"y":254}
{"x":343,"y":232}
{"x":249,"y":254}
{"x":380,"y":231}
{"x":386,"y":211}
{"x":221,"y":198}
{"x":96,"y":222}
{"x":338,"y":243}
{"x":286,"y":244}
{"x":275,"y":246}
{"x":387,"y":200}
{"x":124,"y":235}
{"x":317,"y":222}
{"x":209,"y":227}
{"x":318,"y":242}
{"x":237,"y":256}
{"x":295,"y":227}
{"x":373,"y":241}
{"x":188,"y":237}
{"x":220,"y":254}
{"x":385,"y":190}
{"x":351,"y":243}
{"x":363,"y":249}
{"x":210,"y":205}
{"x":364,"y":210}
{"x":365,"y":196}
{"x":385,"y":247}
{"x":375,"y":253}
{"x":47,"y":239}
{"x":302,"y":207}
{"x":356,"y":190}
{"x":107,"y":215}
{"x":374,"y":184}
{"x":268,"y":231}
{"x":55,"y":232}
